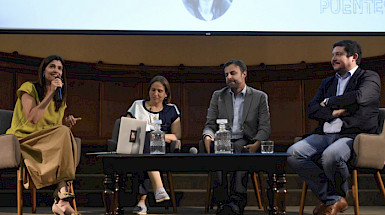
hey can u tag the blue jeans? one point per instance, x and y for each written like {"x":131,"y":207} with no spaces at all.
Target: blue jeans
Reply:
{"x":329,"y":179}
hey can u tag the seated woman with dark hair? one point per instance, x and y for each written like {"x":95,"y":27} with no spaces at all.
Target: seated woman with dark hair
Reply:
{"x":157,"y":107}
{"x":48,"y":148}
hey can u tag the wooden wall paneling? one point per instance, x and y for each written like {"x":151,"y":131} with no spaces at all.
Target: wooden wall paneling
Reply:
{"x":376,"y":63}
{"x":13,"y":62}
{"x":20,"y":69}
{"x":285,"y":110}
{"x":7,"y":90}
{"x":255,"y":85}
{"x":196,"y":101}
{"x":176,"y":94}
{"x":24,"y":77}
{"x":116,"y":98}
{"x":172,"y":73}
{"x":202,"y":74}
{"x":116,"y":73}
{"x":176,"y":98}
{"x":92,"y":91}
{"x":144,"y":93}
{"x":83,"y":101}
{"x":316,"y":71}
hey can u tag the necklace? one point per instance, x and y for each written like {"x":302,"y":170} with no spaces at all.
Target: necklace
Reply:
{"x":154,"y":108}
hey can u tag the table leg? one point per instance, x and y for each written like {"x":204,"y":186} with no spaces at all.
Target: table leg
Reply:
{"x":281,"y":194}
{"x":118,"y":209}
{"x":270,"y":192}
{"x":276,"y":194}
{"x":108,"y":195}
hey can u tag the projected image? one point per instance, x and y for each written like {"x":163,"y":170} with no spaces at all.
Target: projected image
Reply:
{"x":237,"y":17}
{"x":207,"y":10}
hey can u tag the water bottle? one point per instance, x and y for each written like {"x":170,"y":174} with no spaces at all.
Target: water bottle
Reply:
{"x":157,"y":143}
{"x":222,"y":143}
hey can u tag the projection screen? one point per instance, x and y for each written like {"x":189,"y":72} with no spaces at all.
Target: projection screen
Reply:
{"x":193,"y":16}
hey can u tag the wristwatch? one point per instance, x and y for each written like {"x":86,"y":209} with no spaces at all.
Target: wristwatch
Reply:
{"x":325,"y":101}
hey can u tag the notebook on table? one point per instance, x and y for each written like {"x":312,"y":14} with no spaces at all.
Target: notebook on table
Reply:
{"x":131,"y":137}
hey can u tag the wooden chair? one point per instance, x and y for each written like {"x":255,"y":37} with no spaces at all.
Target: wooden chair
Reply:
{"x":11,"y":158}
{"x":175,"y":146}
{"x":209,"y":185}
{"x":369,"y":155}
{"x":32,"y":188}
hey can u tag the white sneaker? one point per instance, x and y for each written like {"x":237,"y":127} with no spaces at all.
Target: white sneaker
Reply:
{"x":140,"y":209}
{"x":161,"y":195}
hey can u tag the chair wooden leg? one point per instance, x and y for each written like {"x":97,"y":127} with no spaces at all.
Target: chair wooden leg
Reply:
{"x":355,"y":193}
{"x":256,"y":189}
{"x":303,"y":198}
{"x":172,"y":191}
{"x":261,"y":180}
{"x":33,"y":197}
{"x":208,"y":193}
{"x":32,"y":189}
{"x":19,"y":188}
{"x":71,"y":190}
{"x":380,"y":183}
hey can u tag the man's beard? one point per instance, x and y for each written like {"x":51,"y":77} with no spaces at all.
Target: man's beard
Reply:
{"x":234,"y":86}
{"x":340,"y":71}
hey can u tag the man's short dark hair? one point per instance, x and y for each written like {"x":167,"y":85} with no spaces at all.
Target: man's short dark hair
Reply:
{"x":351,"y":47}
{"x":239,"y":63}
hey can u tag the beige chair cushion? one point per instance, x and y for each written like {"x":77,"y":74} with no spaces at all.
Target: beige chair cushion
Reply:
{"x":9,"y":151}
{"x":79,"y":149}
{"x":369,"y":150}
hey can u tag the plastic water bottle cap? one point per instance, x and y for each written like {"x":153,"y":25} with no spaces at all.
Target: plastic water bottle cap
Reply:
{"x":159,"y":121}
{"x":221,"y":121}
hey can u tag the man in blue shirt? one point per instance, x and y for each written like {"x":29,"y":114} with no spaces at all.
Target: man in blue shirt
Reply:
{"x":345,"y":105}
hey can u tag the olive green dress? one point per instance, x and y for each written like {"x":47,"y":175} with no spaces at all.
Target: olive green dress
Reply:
{"x":48,"y":148}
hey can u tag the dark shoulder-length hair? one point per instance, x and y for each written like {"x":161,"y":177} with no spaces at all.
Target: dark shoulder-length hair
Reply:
{"x":42,"y":82}
{"x":166,"y":85}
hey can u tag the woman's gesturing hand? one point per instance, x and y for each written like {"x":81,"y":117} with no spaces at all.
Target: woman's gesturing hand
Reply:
{"x":71,"y":120}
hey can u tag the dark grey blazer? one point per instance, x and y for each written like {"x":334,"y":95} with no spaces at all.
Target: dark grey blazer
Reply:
{"x":361,"y":98}
{"x":255,"y":117}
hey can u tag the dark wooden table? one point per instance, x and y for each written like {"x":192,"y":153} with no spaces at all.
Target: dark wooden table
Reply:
{"x":117,"y":165}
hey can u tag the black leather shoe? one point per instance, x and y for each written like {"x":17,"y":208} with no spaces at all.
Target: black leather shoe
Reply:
{"x":240,"y":199}
{"x":234,"y":208}
{"x":228,"y":209}
{"x":221,"y":208}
